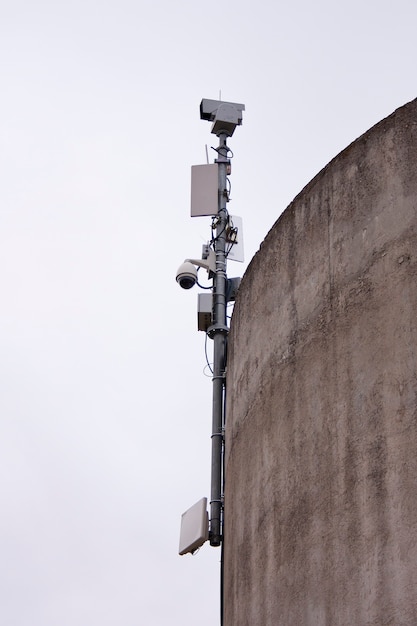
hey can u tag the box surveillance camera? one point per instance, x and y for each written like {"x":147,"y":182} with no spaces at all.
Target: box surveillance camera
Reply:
{"x":209,"y":109}
{"x":224,"y":115}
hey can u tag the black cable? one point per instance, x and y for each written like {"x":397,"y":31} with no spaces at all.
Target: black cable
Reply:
{"x":227,"y":252}
{"x":219,"y":235}
{"x":222,"y":580}
{"x":223,"y":486}
{"x":205,"y":352}
{"x":219,"y":150}
{"x":231,"y":243}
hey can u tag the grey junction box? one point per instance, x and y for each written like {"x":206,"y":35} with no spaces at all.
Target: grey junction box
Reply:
{"x":205,"y":307}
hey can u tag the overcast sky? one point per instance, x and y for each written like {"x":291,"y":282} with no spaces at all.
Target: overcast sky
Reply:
{"x":105,"y":408}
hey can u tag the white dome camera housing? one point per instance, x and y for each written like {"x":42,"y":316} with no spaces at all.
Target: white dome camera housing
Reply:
{"x":187,"y":275}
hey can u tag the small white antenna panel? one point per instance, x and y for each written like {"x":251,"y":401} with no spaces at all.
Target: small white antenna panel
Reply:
{"x":194,"y":527}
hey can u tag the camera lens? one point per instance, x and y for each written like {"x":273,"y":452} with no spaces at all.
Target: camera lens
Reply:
{"x":187,"y":282}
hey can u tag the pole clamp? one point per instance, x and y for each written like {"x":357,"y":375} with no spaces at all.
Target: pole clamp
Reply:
{"x":217,"y":328}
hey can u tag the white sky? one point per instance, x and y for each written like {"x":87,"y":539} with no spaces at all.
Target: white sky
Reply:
{"x":105,"y":412}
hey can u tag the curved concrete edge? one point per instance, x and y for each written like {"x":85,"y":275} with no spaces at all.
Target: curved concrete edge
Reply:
{"x":321,"y":433}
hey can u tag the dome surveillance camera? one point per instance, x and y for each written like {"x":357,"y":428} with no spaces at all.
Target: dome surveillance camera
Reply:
{"x":187,"y":272}
{"x":187,"y":275}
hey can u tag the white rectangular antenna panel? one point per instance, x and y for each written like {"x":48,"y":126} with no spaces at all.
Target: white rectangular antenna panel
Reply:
{"x":234,"y":242}
{"x":194,"y":527}
{"x":204,"y":190}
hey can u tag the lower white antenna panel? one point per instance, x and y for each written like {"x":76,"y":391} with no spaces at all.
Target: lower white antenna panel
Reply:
{"x":194,"y":527}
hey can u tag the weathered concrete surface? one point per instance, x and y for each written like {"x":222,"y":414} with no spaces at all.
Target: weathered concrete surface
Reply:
{"x":321,"y":457}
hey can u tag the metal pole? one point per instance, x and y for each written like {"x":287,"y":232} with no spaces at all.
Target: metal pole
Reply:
{"x":218,"y":332}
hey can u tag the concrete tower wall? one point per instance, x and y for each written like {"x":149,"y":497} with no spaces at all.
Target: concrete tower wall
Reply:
{"x":321,"y":434}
